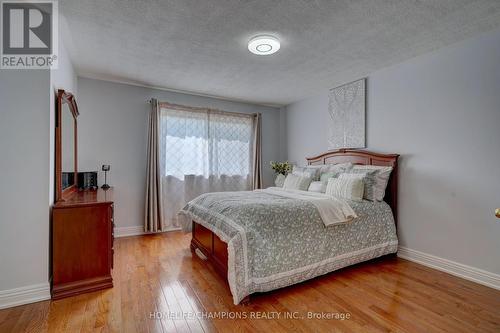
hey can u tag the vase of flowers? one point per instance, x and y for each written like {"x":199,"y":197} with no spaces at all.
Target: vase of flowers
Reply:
{"x":281,"y":169}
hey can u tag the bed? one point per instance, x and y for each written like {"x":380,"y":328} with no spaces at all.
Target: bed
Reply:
{"x":268,"y":239}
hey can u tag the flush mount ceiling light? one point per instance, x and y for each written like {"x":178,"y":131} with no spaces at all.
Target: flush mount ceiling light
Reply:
{"x":264,"y":45}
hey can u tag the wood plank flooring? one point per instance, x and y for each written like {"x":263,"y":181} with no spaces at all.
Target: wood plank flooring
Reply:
{"x":160,"y":287}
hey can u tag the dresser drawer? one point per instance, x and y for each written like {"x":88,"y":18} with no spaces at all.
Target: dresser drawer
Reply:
{"x":82,"y":248}
{"x":112,"y":220}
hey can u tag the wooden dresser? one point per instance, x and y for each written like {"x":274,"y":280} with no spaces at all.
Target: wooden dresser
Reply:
{"x":82,"y":243}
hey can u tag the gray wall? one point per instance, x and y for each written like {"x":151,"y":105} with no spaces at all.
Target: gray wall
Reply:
{"x":27,"y":164}
{"x":24,"y":166}
{"x":112,"y":129}
{"x":441,"y":112}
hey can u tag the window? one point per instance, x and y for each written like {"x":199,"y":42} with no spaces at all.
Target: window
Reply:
{"x":206,"y":143}
{"x":203,"y":151}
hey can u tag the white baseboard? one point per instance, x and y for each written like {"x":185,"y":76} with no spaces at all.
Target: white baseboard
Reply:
{"x":24,"y":295}
{"x":129,"y":231}
{"x":477,"y":275}
{"x":135,"y":231}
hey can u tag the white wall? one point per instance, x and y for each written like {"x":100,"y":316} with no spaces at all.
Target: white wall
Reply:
{"x":441,"y":112}
{"x":112,"y":130}
{"x":64,"y":77}
{"x":27,"y":165}
{"x":24,"y":166}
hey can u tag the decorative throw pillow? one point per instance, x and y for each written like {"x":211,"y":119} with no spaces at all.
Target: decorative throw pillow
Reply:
{"x":327,"y":175}
{"x":295,"y":182}
{"x":382,"y":174}
{"x":336,"y":169}
{"x":368,"y":177}
{"x":347,"y":188}
{"x":319,"y":187}
{"x":307,"y":171}
{"x":279,"y":180}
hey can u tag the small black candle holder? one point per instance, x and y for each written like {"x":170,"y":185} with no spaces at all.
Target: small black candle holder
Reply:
{"x":105,"y":168}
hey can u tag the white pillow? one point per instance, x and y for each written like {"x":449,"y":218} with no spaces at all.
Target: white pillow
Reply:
{"x":336,"y":168}
{"x":314,"y":171}
{"x":347,"y":188}
{"x":295,"y":182}
{"x":377,"y":176}
{"x":318,"y":186}
{"x":307,"y":171}
{"x":279,"y":180}
{"x":368,"y":178}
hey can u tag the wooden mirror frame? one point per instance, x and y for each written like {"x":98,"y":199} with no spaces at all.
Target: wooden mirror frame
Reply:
{"x":68,"y":98}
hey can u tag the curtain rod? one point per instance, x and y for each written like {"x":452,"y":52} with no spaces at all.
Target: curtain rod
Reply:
{"x":197,"y":108}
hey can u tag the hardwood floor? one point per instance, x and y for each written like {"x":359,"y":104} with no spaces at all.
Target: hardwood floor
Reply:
{"x":156,"y":276}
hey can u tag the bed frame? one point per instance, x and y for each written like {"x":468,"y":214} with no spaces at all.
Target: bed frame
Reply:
{"x":212,"y":247}
{"x":365,"y":157}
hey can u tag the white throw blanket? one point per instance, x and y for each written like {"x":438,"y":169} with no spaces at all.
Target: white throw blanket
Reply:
{"x":332,"y":210}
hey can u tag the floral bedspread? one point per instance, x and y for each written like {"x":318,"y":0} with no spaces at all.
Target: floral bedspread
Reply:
{"x":276,"y":241}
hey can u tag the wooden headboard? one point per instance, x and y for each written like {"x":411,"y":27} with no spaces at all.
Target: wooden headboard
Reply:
{"x":366,"y":158}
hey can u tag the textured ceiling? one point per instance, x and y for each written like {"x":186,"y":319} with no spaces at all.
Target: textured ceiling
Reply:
{"x":200,"y":46}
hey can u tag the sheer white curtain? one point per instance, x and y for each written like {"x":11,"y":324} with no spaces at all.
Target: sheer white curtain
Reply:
{"x":202,"y":150}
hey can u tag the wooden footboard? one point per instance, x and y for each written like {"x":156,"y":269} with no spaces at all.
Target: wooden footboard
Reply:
{"x":211,"y":246}
{"x":214,"y":249}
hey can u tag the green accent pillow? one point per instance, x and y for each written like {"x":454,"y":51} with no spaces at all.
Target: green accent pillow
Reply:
{"x":327,"y":175}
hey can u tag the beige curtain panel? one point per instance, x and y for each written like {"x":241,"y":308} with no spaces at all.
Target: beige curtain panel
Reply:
{"x":257,"y":151}
{"x":153,"y":218}
{"x":194,"y":150}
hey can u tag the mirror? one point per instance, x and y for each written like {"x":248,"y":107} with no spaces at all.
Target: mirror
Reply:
{"x":66,"y":145}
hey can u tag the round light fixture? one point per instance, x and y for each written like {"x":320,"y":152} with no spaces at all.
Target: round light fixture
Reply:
{"x":264,"y":45}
